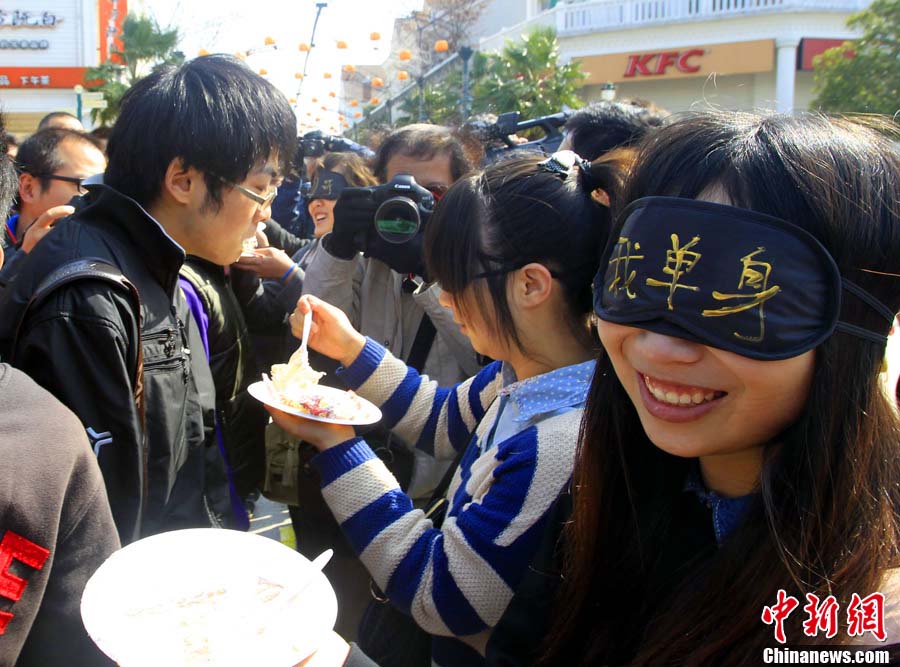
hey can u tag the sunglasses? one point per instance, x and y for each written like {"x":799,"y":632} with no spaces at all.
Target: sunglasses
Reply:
{"x":67,"y":179}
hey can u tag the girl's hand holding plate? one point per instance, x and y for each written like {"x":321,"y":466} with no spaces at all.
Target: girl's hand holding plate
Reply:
{"x":331,"y":333}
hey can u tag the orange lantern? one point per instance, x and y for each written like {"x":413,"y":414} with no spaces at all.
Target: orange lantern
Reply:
{"x":375,"y":36}
{"x":324,"y":108}
{"x":340,"y":118}
{"x":270,"y":41}
{"x":441,"y":46}
{"x":326,"y":75}
{"x":292,"y":100}
{"x":357,"y":114}
{"x":402,"y":75}
{"x":341,"y":44}
{"x":349,"y":68}
{"x":375,"y":100}
{"x":346,"y":124}
{"x":240,"y":56}
{"x":405,"y":54}
{"x":318,"y":119}
{"x":309,"y":114}
{"x":263,"y":72}
{"x":315,"y":99}
{"x":298,"y":75}
{"x":331,"y":93}
{"x":377,"y":82}
{"x":354,"y":103}
{"x":303,"y":46}
{"x":202,"y":52}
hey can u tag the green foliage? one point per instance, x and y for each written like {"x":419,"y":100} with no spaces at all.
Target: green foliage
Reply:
{"x":442,"y":102}
{"x":868,"y":82}
{"x":526,"y":77}
{"x":144,"y":46}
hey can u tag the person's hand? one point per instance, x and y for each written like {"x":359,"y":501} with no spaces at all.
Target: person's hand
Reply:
{"x":354,"y":219}
{"x":42,"y":226}
{"x":266,"y":262}
{"x":320,"y":435}
{"x":262,"y":241}
{"x":331,"y":333}
{"x":332,"y":652}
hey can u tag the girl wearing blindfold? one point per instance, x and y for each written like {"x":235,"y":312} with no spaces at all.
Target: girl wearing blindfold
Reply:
{"x":514,"y":249}
{"x":739,"y":463}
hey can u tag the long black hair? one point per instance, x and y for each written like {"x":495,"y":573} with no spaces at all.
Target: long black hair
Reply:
{"x":497,"y":220}
{"x":826,"y":518}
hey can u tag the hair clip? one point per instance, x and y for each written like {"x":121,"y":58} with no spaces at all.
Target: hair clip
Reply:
{"x":562,"y":162}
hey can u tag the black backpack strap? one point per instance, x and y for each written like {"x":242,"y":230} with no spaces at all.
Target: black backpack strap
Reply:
{"x":421,"y":344}
{"x":94,"y":269}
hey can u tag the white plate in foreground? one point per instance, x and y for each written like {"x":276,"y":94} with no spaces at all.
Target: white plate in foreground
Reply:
{"x":207,"y":596}
{"x":368,"y":412}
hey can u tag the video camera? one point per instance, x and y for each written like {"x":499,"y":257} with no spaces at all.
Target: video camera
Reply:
{"x":385,"y":222}
{"x":508,"y":124}
{"x":316,"y":143}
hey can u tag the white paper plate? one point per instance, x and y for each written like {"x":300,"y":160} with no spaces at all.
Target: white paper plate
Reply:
{"x":207,"y":597}
{"x":370,"y":414}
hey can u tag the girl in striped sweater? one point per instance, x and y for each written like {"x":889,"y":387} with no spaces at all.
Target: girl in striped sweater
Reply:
{"x":514,"y":248}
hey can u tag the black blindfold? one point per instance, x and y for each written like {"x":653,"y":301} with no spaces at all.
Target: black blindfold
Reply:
{"x":726,"y":277}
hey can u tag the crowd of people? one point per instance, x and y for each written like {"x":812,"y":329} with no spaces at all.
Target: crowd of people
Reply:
{"x":638,"y":406}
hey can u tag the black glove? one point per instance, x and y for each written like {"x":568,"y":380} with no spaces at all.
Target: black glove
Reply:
{"x":354,"y":215}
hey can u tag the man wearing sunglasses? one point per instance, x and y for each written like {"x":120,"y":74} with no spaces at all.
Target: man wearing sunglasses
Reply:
{"x":52,"y":165}
{"x":193,"y":159}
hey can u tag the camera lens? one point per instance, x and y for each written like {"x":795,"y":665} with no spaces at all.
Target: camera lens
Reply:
{"x":397,"y":220}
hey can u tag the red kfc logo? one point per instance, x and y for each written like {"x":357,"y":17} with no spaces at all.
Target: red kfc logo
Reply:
{"x":657,"y":64}
{"x":16,"y":547}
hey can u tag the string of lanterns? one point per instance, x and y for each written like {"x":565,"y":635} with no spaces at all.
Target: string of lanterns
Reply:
{"x":376,"y":82}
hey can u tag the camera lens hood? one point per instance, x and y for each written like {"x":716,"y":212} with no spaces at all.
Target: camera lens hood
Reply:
{"x":397,"y":220}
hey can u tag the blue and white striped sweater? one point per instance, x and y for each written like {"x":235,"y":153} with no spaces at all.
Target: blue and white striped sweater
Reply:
{"x":457,"y":581}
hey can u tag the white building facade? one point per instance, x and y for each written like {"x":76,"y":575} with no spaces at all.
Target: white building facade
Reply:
{"x":684,"y":54}
{"x":45,"y":48}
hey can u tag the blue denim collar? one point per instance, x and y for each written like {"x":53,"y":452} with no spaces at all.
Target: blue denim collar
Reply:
{"x":727,"y":513}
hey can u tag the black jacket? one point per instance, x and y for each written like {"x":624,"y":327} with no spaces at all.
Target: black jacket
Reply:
{"x":243,"y":419}
{"x":81,"y":345}
{"x":55,"y":528}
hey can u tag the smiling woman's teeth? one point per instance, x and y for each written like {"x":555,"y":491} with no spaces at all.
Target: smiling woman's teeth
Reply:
{"x":695,"y":397}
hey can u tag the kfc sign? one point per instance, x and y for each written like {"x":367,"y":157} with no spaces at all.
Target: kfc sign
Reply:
{"x":658,"y":64}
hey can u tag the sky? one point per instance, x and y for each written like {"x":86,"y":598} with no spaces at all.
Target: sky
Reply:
{"x":230,"y":26}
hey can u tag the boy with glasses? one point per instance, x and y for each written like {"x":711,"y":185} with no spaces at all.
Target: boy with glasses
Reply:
{"x":190,"y":147}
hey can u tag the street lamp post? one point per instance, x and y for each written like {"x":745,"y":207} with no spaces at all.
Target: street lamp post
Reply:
{"x":465,"y":53}
{"x":79,"y":89}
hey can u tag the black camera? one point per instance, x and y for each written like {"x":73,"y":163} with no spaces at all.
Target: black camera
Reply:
{"x":496,"y":136}
{"x":316,"y":143}
{"x":403,"y":207}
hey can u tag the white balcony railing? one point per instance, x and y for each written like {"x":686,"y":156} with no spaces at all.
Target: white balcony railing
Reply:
{"x":576,"y":18}
{"x":614,"y":14}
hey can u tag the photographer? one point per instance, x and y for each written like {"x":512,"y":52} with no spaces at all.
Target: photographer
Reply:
{"x":291,"y":226}
{"x":383,"y":291}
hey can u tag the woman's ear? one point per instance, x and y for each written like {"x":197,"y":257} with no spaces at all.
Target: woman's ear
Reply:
{"x":533,"y":285}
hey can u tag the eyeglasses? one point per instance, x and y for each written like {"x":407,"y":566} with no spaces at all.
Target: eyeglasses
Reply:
{"x":68,"y":179}
{"x":437,"y":190}
{"x":261,"y":202}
